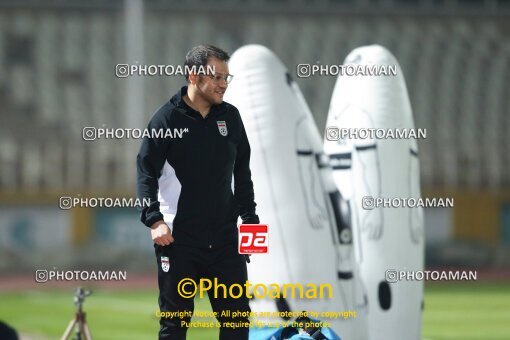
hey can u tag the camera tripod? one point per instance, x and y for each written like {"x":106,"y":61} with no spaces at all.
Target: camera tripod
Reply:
{"x":79,"y":322}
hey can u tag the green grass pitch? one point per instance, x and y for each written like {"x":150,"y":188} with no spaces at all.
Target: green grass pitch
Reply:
{"x":466,"y":311}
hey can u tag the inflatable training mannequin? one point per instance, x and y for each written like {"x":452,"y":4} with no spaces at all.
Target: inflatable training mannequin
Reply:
{"x":309,"y":238}
{"x":384,"y":238}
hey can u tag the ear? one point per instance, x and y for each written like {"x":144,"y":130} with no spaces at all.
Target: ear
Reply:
{"x":193,"y":78}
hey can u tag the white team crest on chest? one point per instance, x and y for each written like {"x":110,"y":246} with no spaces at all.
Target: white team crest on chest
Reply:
{"x":165,"y":264}
{"x":222,"y":126}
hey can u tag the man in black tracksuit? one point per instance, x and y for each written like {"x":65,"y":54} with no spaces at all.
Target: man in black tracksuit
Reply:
{"x":202,"y":239}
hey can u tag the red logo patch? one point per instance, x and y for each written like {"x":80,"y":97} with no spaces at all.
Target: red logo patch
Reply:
{"x":253,"y":239}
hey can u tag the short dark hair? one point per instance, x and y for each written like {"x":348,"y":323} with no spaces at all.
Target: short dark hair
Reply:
{"x":199,"y":55}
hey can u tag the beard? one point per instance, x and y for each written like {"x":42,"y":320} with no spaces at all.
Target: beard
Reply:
{"x":208,"y":94}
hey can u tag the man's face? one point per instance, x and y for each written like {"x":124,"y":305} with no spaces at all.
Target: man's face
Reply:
{"x":212,"y":90}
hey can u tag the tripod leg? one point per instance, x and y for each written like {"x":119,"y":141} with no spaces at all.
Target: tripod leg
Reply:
{"x":80,"y":334}
{"x":69,"y":329}
{"x":86,"y":330}
{"x":85,"y":327}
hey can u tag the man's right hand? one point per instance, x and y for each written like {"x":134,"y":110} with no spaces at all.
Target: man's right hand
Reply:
{"x":161,"y":234}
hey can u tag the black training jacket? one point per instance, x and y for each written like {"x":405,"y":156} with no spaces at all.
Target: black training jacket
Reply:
{"x":204,"y":161}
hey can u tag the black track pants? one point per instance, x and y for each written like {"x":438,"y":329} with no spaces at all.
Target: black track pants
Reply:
{"x":225,"y":264}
